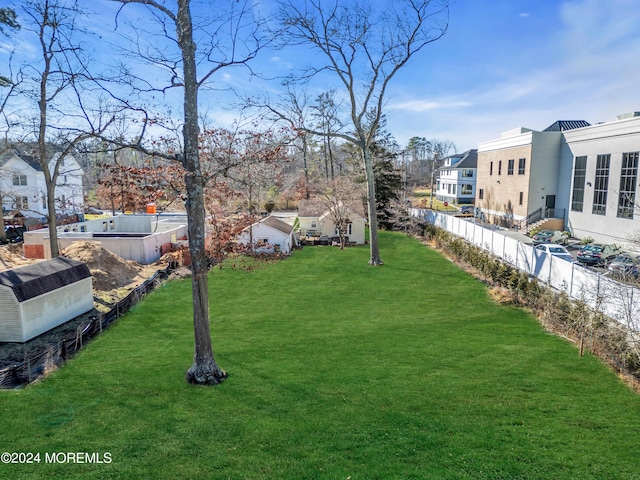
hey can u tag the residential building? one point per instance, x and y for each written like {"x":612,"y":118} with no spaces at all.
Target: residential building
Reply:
{"x":318,"y":218}
{"x":23,"y":188}
{"x":457,"y":178}
{"x":521,"y":177}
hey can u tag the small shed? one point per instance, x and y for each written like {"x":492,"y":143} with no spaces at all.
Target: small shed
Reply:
{"x":272,"y":234}
{"x":39,"y":297}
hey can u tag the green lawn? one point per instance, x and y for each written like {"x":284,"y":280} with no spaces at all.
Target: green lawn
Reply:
{"x":336,"y":370}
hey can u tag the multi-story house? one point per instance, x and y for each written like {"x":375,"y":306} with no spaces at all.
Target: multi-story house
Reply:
{"x":521,"y":178}
{"x":23,"y":188}
{"x":456,"y":183}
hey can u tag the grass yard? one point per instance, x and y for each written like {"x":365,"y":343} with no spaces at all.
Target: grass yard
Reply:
{"x":336,"y":370}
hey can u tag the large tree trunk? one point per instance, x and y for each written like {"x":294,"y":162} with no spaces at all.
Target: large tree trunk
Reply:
{"x":205,"y":370}
{"x":371,"y":204}
{"x":51,"y":219}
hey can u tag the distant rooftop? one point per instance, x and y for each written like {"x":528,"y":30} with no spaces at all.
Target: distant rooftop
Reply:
{"x":564,"y":125}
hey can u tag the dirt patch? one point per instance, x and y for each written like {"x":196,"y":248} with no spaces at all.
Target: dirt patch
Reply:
{"x":110,"y":272}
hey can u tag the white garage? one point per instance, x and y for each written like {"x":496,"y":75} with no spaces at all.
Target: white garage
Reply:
{"x":39,"y":297}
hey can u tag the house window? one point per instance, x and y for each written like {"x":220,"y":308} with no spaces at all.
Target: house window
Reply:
{"x":491,"y":168}
{"x":467,"y":172}
{"x":521,"y":163}
{"x":454,"y":189}
{"x":500,"y":167}
{"x":521,"y":198}
{"x":347,"y":230}
{"x":20,"y":180}
{"x":628,"y":175}
{"x":601,"y":185}
{"x":510,"y":165}
{"x":23,"y":203}
{"x":579,"y":176}
{"x":480,"y":193}
{"x":466,"y":189}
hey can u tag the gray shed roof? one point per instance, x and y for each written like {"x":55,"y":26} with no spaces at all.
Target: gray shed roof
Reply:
{"x":278,"y":224}
{"x":43,"y":277}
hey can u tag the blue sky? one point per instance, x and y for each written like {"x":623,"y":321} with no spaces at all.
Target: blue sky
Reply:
{"x":513,"y":63}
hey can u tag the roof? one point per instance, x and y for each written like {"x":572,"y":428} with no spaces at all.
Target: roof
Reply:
{"x":317,"y":208}
{"x":43,"y":277}
{"x":563,"y":125}
{"x":274,"y":222}
{"x":468,"y":159}
{"x":311,"y":208}
{"x":29,"y":153}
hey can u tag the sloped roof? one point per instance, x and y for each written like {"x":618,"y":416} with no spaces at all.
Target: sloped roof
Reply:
{"x":278,"y":224}
{"x":468,"y":159}
{"x":564,"y":125}
{"x":43,"y":277}
{"x":311,"y":208}
{"x":318,"y":208}
{"x":29,"y":153}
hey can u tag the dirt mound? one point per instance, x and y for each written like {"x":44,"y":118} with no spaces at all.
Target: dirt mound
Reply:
{"x":11,"y":257}
{"x":108,"y":269}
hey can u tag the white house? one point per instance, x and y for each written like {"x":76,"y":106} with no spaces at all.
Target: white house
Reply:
{"x":39,"y":297}
{"x":457,"y":178}
{"x":601,"y":188}
{"x":316,"y":219}
{"x":23,"y":188}
{"x":269,"y":235}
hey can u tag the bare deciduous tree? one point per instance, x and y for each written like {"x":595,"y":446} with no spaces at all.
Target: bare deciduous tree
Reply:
{"x":230,"y":36}
{"x":364,"y":49}
{"x":58,"y":84}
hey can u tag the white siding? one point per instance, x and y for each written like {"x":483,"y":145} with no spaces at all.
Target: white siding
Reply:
{"x":47,"y":311}
{"x":10,"y":319}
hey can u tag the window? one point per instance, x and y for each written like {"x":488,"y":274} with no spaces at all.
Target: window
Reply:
{"x":480,"y":193}
{"x":521,"y":198}
{"x":348,"y":231}
{"x":521,"y":164}
{"x":579,"y":176}
{"x":491,"y":168}
{"x":510,"y":167}
{"x":628,"y":175}
{"x":23,"y":203}
{"x":20,"y":180}
{"x":601,"y":185}
{"x":467,"y":172}
{"x":500,"y":167}
{"x":454,"y":189}
{"x":466,"y":189}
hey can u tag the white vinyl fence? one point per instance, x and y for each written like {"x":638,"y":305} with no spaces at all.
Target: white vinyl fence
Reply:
{"x":614,"y":299}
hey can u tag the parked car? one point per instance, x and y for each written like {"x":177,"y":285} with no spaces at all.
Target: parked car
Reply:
{"x":467,"y":210}
{"x":555,"y":250}
{"x":597,"y":254}
{"x":550,"y":236}
{"x":625,"y":265}
{"x":14,"y":234}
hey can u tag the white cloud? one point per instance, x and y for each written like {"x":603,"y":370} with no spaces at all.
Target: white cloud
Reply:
{"x":424,"y":105}
{"x":524,"y":14}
